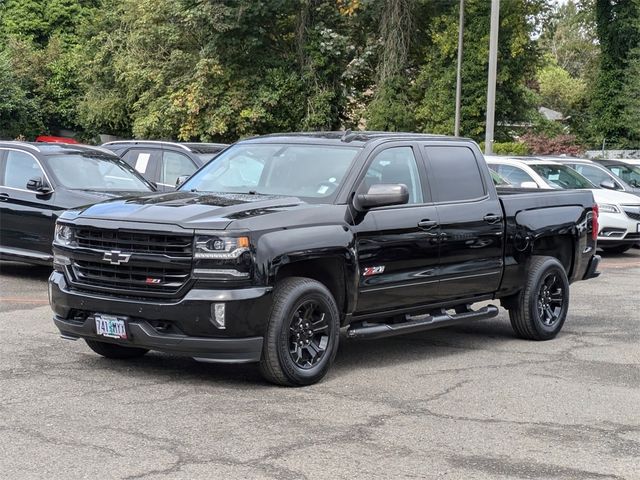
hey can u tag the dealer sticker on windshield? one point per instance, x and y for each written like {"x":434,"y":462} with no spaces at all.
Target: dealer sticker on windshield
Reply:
{"x":110,"y":326}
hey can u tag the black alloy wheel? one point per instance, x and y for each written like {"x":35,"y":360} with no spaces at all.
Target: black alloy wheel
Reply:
{"x":550,"y":299}
{"x":308,"y":334}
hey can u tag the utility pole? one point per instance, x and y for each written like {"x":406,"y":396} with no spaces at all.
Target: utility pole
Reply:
{"x":493,"y":67}
{"x":459,"y":72}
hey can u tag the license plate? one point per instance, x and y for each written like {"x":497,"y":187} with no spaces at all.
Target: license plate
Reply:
{"x":110,"y":326}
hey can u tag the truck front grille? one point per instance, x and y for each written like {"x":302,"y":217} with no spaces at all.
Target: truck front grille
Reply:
{"x":146,"y":265}
{"x":135,"y":241}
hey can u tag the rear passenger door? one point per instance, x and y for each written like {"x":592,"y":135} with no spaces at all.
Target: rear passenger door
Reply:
{"x":471,"y":221}
{"x":174,"y":164}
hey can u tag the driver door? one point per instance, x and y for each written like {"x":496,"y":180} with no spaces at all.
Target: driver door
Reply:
{"x":28,"y":218}
{"x":398,"y":249}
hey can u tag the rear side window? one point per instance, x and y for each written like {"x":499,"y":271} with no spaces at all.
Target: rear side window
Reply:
{"x":454,"y":174}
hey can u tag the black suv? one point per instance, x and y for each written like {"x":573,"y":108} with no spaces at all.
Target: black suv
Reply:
{"x":162,"y":163}
{"x":265,"y":253}
{"x":38,"y":181}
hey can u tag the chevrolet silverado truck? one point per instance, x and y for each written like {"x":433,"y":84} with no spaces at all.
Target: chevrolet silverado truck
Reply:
{"x":267,"y":253}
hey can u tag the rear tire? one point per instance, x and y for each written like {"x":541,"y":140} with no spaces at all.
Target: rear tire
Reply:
{"x":540,"y":309}
{"x":302,"y":334}
{"x":111,"y":350}
{"x":618,"y":249}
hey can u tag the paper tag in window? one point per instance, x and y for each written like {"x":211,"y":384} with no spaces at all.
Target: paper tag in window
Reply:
{"x":554,"y":177}
{"x":323,"y":189}
{"x":142,"y":162}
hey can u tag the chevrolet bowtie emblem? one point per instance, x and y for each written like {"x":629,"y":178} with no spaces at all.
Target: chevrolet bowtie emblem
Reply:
{"x":116,"y":257}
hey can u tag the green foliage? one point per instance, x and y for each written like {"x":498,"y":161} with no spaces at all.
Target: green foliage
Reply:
{"x":558,"y":89}
{"x":517,"y":61}
{"x":508,"y":148}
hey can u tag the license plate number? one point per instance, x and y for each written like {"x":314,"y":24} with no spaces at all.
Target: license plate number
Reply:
{"x":110,"y":326}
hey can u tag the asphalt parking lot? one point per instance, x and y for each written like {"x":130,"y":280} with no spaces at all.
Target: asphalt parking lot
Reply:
{"x":459,"y":403}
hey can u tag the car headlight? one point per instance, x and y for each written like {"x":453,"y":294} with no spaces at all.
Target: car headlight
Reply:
{"x":608,"y":208}
{"x":64,"y":235}
{"x":221,"y":248}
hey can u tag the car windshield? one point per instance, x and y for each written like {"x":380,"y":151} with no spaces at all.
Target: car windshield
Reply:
{"x":628,"y":173}
{"x":561,"y":176}
{"x":312,"y":172}
{"x":94,"y":171}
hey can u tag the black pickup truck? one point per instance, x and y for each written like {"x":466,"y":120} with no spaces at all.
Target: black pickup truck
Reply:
{"x":266,"y":253}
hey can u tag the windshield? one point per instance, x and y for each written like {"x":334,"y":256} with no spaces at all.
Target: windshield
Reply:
{"x":561,"y":176}
{"x":312,"y":172}
{"x":628,"y":173}
{"x":94,"y":171}
{"x":207,"y":157}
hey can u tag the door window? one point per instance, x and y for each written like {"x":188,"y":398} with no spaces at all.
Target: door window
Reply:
{"x":20,"y":167}
{"x":594,"y":174}
{"x":174,"y":165}
{"x":514,"y":175}
{"x":454,"y":174}
{"x":395,"y":165}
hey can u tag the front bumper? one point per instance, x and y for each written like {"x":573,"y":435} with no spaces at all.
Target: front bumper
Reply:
{"x":182,"y":327}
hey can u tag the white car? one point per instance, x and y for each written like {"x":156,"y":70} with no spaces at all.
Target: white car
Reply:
{"x":619,"y":217}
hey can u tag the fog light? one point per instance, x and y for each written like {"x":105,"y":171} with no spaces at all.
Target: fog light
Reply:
{"x":218,"y":314}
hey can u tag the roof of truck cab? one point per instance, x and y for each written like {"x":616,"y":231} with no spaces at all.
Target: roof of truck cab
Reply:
{"x":346,"y":138}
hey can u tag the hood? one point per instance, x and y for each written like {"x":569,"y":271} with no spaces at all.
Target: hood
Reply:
{"x":602,"y":195}
{"x":189,"y":210}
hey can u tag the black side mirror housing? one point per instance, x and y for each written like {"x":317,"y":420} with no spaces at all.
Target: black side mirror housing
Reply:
{"x":608,"y":184}
{"x":382,"y":195}
{"x":37,"y":184}
{"x":181,"y":179}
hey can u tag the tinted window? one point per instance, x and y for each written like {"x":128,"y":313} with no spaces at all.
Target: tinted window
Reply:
{"x":514,"y":175}
{"x":395,"y":165}
{"x":629,"y":173}
{"x":454,"y":174}
{"x":174,"y":165}
{"x":19,"y":169}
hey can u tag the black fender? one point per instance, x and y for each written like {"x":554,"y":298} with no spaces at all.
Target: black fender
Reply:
{"x":278,"y":249}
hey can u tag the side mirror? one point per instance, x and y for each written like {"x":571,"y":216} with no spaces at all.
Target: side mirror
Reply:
{"x":529,"y":185}
{"x":38,"y":185}
{"x":181,"y":179}
{"x":382,"y":195}
{"x":608,"y":184}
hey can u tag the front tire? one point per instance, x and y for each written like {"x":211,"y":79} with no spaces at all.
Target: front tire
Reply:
{"x":111,"y":350}
{"x":540,"y":309}
{"x":302,"y":334}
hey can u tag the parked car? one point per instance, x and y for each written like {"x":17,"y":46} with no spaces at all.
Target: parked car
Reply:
{"x":39,"y":181}
{"x":628,"y":172}
{"x":263,"y":254}
{"x":619,"y":211}
{"x":162,"y":163}
{"x":601,"y":176}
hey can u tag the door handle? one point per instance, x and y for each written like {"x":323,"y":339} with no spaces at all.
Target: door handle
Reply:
{"x":4,"y":197}
{"x":492,"y":218}
{"x":427,"y":224}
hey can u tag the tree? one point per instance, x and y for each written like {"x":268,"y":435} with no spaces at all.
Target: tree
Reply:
{"x":518,"y":57}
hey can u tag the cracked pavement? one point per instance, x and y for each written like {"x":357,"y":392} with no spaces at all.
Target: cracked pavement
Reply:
{"x":467,"y":402}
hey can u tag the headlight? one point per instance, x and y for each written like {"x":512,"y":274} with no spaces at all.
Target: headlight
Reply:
{"x":608,"y":208}
{"x":64,"y":235}
{"x":222,"y":248}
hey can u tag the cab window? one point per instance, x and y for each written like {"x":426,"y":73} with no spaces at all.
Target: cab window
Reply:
{"x":20,"y":167}
{"x":395,"y":165}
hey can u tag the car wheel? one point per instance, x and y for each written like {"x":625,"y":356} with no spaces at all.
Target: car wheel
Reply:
{"x":111,"y":350}
{"x":302,"y":334}
{"x":540,"y":309}
{"x":618,"y":249}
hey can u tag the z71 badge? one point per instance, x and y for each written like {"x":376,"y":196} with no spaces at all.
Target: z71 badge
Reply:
{"x":368,"y":271}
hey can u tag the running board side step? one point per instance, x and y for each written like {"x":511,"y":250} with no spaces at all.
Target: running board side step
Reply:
{"x":419,"y":323}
